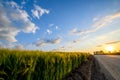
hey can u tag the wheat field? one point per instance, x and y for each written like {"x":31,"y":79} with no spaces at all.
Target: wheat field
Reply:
{"x":38,"y":65}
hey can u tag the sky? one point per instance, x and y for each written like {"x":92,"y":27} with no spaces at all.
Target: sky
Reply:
{"x":60,"y":25}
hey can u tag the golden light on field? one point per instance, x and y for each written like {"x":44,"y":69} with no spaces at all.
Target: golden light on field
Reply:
{"x":109,"y":48}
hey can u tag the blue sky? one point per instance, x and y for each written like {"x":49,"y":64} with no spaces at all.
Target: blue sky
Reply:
{"x":62,"y":25}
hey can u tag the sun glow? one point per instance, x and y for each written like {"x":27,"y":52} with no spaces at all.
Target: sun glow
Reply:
{"x":109,"y":48}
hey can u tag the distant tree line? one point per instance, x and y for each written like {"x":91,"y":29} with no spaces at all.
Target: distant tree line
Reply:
{"x":98,"y":52}
{"x":106,"y":53}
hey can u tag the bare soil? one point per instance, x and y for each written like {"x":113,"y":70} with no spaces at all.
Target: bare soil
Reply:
{"x":89,"y":70}
{"x":96,"y":73}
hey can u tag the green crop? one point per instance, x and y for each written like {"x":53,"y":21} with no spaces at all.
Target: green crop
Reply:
{"x":38,"y":65}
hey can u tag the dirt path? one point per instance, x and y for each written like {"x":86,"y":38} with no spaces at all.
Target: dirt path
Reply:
{"x":89,"y":70}
{"x":83,"y":72}
{"x":96,"y":73}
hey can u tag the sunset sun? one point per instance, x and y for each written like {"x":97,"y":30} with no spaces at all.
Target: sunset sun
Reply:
{"x":109,"y":48}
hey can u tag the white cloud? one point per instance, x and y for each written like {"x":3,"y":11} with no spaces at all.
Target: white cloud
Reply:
{"x":39,"y":11}
{"x":47,"y":42}
{"x":95,"y":19}
{"x":19,"y":14}
{"x":19,"y":47}
{"x":7,"y":31}
{"x":12,"y":46}
{"x":74,"y":30}
{"x":49,"y":31}
{"x":51,"y":25}
{"x":23,"y":2}
{"x":54,"y":26}
{"x":8,"y":34}
{"x":57,"y":40}
{"x":13,"y":4}
{"x":10,"y":12}
{"x":103,"y":22}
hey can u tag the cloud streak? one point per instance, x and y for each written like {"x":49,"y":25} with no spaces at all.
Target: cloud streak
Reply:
{"x":113,"y":42}
{"x":99,"y":45}
{"x":80,"y":32}
{"x":47,"y":42}
{"x":109,"y":43}
{"x":103,"y":22}
{"x":107,"y":20}
{"x":76,"y":41}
